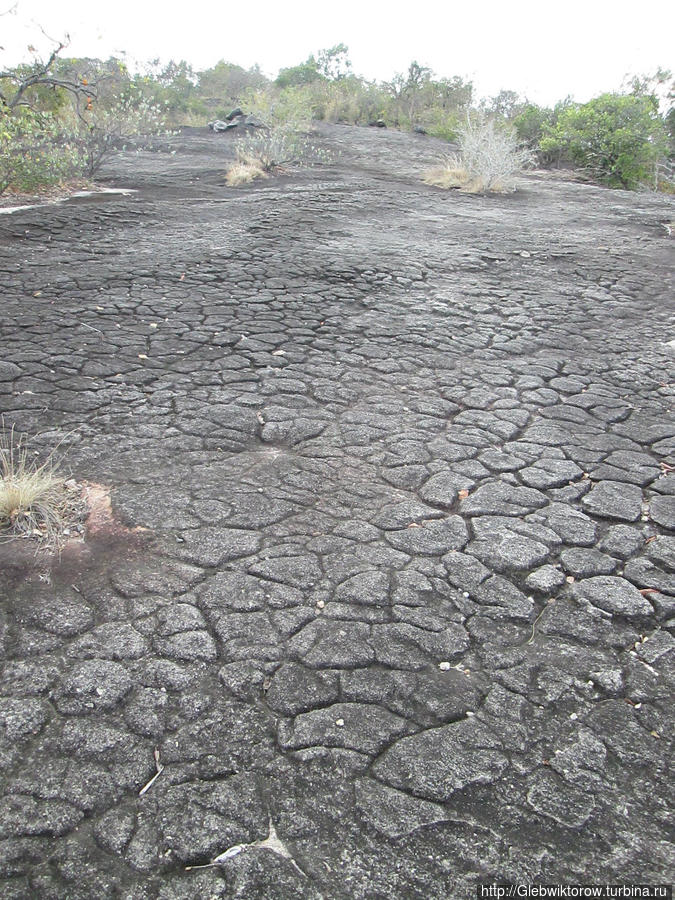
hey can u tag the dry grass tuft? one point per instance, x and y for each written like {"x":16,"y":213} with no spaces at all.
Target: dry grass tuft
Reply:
{"x":35,"y":500}
{"x":243,"y":173}
{"x":449,"y":174}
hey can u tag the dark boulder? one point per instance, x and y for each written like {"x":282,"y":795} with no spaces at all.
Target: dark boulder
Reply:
{"x":219,"y":125}
{"x":236,"y":119}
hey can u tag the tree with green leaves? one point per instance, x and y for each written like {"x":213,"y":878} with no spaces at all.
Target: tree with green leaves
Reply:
{"x":617,"y":138}
{"x":334,"y":63}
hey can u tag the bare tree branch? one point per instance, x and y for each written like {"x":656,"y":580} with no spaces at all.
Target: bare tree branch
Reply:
{"x":42,"y":74}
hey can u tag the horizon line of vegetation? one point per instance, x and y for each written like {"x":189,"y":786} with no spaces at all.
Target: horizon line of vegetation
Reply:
{"x":62,"y":117}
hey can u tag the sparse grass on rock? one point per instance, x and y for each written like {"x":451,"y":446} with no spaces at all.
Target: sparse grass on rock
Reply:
{"x":36,"y":501}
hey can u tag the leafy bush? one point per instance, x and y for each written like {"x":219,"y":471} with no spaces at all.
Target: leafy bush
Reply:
{"x":490,"y":158}
{"x":35,"y":151}
{"x":100,"y":130}
{"x":618,"y":139}
{"x":530,"y":123}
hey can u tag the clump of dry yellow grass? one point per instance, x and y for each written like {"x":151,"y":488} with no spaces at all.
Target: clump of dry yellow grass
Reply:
{"x":450,"y":175}
{"x":243,"y":173}
{"x":35,"y":500}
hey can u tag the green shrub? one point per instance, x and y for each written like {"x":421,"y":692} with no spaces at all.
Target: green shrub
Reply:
{"x":617,"y":138}
{"x":100,"y":130}
{"x":36,"y":151}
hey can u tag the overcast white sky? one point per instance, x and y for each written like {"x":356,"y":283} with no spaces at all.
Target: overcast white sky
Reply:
{"x":541,"y":49}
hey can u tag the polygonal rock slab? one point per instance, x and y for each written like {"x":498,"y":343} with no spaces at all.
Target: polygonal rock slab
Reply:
{"x":614,"y":595}
{"x":213,"y":546}
{"x":570,"y":524}
{"x":296,"y":689}
{"x":500,"y":499}
{"x":545,"y":580}
{"x":506,"y":551}
{"x":614,"y":500}
{"x":550,"y":473}
{"x":431,"y":538}
{"x":662,"y":511}
{"x":333,"y":644}
{"x":362,"y":727}
{"x":442,"y":489}
{"x":95,"y":685}
{"x":550,"y":796}
{"x":402,"y":645}
{"x":393,"y":812}
{"x":440,"y":761}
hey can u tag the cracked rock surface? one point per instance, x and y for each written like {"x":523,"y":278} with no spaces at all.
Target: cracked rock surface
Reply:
{"x":391,"y":568}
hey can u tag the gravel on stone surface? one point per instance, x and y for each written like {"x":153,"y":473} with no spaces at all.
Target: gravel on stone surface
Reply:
{"x":386,"y":603}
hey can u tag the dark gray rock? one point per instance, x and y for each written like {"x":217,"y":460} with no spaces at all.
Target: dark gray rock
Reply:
{"x":329,"y":644}
{"x":394,"y":813}
{"x":431,"y":538}
{"x":662,"y":511}
{"x":661,"y":551}
{"x":569,"y":617}
{"x":93,"y":686}
{"x":570,"y":524}
{"x":614,"y":500}
{"x":116,"y":640}
{"x":550,"y":473}
{"x":213,"y":546}
{"x":615,"y":595}
{"x":295,"y":689}
{"x":365,"y":589}
{"x":621,"y":541}
{"x":354,"y":726}
{"x":145,"y":712}
{"x":442,"y":489}
{"x":245,"y":678}
{"x":545,"y":580}
{"x":22,"y":718}
{"x":186,"y":645}
{"x":465,"y":572}
{"x":644,"y":574}
{"x":500,"y":499}
{"x":58,"y":612}
{"x":584,"y":562}
{"x":404,"y":646}
{"x":582,"y":760}
{"x":500,"y":598}
{"x":200,"y":820}
{"x":300,"y":571}
{"x":403,"y":514}
{"x":438,"y":762}
{"x":551,"y":797}
{"x":9,"y":371}
{"x":505,"y":551}
{"x":24,"y":815}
